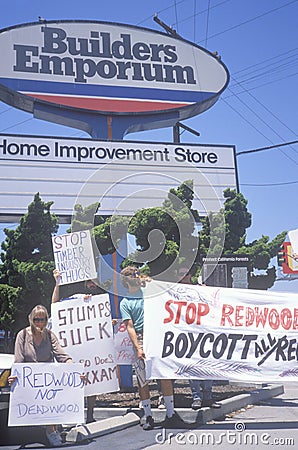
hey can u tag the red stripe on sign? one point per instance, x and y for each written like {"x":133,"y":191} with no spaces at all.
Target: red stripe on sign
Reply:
{"x":97,"y":104}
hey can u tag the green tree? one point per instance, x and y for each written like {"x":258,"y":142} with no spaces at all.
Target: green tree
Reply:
{"x":165,"y":235}
{"x":106,"y":231}
{"x":27,"y":263}
{"x":228,"y":226}
{"x":85,"y":218}
{"x":9,"y":305}
{"x":228,"y":229}
{"x":107,"y":235}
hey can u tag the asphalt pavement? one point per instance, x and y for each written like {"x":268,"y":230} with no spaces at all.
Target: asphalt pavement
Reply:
{"x":270,"y":423}
{"x":268,"y":420}
{"x":264,"y":417}
{"x":113,"y":420}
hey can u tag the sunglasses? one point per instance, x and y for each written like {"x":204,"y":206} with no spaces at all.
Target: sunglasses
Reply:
{"x":39,"y":319}
{"x":137,"y":273}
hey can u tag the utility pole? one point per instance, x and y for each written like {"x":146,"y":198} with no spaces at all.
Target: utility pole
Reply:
{"x":176,"y":131}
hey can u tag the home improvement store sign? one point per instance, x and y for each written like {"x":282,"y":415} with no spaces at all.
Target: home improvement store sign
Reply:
{"x":123,"y":176}
{"x":107,"y":67}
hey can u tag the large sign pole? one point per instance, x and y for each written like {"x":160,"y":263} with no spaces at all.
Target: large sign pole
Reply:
{"x":102,"y":126}
{"x":125,"y":371}
{"x":107,"y":79}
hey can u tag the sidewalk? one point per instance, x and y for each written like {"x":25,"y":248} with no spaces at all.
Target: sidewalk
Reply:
{"x":110,"y":420}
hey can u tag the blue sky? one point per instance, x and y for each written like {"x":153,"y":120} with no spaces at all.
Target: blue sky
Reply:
{"x":257,"y":41}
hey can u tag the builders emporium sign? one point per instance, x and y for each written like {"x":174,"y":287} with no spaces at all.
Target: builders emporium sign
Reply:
{"x":107,"y":67}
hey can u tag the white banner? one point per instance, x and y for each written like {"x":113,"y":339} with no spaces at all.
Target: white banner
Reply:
{"x":46,"y":393}
{"x":74,"y":257}
{"x":123,"y":345}
{"x":216,"y":333}
{"x":293,"y":236}
{"x":84,"y":329}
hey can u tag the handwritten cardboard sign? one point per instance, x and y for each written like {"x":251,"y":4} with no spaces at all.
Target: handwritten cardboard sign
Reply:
{"x":123,"y":345}
{"x":84,"y":329}
{"x":140,"y":369}
{"x":46,"y":393}
{"x":74,"y":257}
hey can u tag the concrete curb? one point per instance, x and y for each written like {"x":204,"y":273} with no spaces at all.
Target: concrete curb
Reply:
{"x":105,"y":426}
{"x":239,"y":401}
{"x":111,"y":420}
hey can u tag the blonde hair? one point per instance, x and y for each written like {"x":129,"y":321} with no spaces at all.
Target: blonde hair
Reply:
{"x":38,"y":310}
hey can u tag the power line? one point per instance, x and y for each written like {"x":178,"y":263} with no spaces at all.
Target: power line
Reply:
{"x":261,"y":149}
{"x":265,"y":61}
{"x":277,"y":66}
{"x":5,"y":110}
{"x":269,"y":82}
{"x":269,"y":112}
{"x":263,"y":121}
{"x":202,"y":12}
{"x":176,"y":15}
{"x":252,"y":19}
{"x":253,"y":126}
{"x":271,"y":71}
{"x":207,"y":24}
{"x":159,"y":12}
{"x":269,"y":184}
{"x":194,"y":20}
{"x":280,"y":67}
{"x":19,"y":123}
{"x":260,"y":85}
{"x":244,"y":118}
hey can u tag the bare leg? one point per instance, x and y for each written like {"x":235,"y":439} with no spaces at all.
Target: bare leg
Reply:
{"x":167,"y":387}
{"x":144,"y":392}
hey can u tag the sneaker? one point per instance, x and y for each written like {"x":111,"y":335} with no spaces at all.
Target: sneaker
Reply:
{"x":149,"y":424}
{"x":161,"y":403}
{"x":54,"y":439}
{"x":211,"y":404}
{"x":173,"y":422}
{"x":196,"y":404}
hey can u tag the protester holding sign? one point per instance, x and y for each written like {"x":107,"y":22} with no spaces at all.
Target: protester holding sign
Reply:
{"x":91,"y":288}
{"x":74,"y":257}
{"x":201,"y":390}
{"x":38,"y":344}
{"x":132,"y":312}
